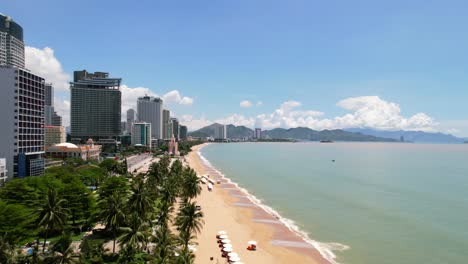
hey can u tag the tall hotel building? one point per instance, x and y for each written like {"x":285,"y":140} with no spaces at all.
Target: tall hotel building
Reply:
{"x":22,"y":119}
{"x":150,"y":110}
{"x":95,"y":106}
{"x":21,"y":106}
{"x":175,"y":128}
{"x":11,"y":43}
{"x":167,"y":125}
{"x":131,"y":117}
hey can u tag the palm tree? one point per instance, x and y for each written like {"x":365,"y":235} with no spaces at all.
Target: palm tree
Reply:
{"x":189,"y":219}
{"x":185,"y":257}
{"x":140,"y":200}
{"x":113,"y":214}
{"x":136,"y":234}
{"x":6,"y":250}
{"x":53,"y":214}
{"x":191,"y":184}
{"x":63,"y":250}
{"x":165,"y":245}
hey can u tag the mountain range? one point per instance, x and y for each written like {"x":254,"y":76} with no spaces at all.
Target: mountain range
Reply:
{"x":410,"y":136}
{"x":351,"y":134}
{"x":299,"y":133}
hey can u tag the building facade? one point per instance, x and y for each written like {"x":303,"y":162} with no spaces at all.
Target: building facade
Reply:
{"x":150,"y":110}
{"x":131,"y":117}
{"x":183,"y":132}
{"x":220,"y":132}
{"x":3,"y":172}
{"x":167,"y":125}
{"x":11,"y":43}
{"x":96,"y":103}
{"x":22,"y":119}
{"x":258,"y":133}
{"x":69,"y":150}
{"x":141,"y":134}
{"x":54,"y":135}
{"x":175,"y":128}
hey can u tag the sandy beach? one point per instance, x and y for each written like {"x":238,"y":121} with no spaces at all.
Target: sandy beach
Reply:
{"x":227,"y":208}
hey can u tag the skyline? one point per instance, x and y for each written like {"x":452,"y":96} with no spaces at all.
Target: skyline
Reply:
{"x":397,"y":66}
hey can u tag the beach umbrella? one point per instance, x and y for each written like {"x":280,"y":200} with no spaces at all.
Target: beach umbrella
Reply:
{"x":222,"y":232}
{"x":226,"y":241}
{"x":227,"y":245}
{"x":223,"y":236}
{"x":234,"y":258}
{"x":233,"y":254}
{"x":252,"y":242}
{"x":229,"y":249}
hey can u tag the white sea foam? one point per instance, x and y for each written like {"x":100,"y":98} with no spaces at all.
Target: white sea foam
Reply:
{"x":325,"y":249}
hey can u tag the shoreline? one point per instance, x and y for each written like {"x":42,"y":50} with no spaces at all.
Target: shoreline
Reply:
{"x":232,"y":208}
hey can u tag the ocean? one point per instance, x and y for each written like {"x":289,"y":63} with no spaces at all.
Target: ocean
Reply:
{"x":372,"y":203}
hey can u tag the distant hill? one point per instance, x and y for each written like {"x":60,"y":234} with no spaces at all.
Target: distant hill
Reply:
{"x":234,"y":132}
{"x":304,"y":133}
{"x":299,"y":133}
{"x":411,"y":136}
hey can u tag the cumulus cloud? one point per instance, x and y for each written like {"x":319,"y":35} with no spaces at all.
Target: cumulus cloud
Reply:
{"x":176,"y":98}
{"x":364,"y":112}
{"x":245,"y":104}
{"x":44,"y":63}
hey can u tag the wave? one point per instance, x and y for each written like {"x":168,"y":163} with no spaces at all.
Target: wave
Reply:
{"x":325,"y":249}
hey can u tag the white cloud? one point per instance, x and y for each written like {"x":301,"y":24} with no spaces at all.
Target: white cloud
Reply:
{"x":245,"y":104}
{"x":259,"y":103}
{"x":44,"y":63}
{"x":176,"y":98}
{"x":365,"y":112}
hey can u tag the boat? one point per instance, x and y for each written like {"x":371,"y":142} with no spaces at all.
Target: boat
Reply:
{"x":326,"y":141}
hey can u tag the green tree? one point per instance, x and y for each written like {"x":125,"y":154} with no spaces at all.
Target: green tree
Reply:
{"x":114,"y":185}
{"x":166,"y":245}
{"x":191,"y":187}
{"x":16,"y":222}
{"x":78,"y":198}
{"x":113,"y":214}
{"x":6,"y":250}
{"x":189,"y":219}
{"x":63,"y":251}
{"x":53,"y":214}
{"x":185,"y":257}
{"x":135,"y":234}
{"x":140,"y":199}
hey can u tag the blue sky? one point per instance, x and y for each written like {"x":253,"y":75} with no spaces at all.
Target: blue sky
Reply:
{"x":319,"y":53}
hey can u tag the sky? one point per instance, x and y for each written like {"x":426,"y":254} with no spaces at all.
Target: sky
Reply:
{"x":263,"y":63}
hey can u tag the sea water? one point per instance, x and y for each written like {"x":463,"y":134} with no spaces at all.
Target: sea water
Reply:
{"x":381,"y":202}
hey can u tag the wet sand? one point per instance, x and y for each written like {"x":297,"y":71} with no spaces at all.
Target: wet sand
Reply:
{"x":228,"y":208}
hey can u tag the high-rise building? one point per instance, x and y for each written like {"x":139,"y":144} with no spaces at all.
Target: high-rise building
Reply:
{"x":96,"y":102}
{"x":51,"y":118}
{"x":11,"y":43}
{"x":141,"y":134}
{"x":150,"y":110}
{"x":49,"y":95}
{"x":258,"y":133}
{"x":123,"y":127}
{"x":131,"y":116}
{"x":167,"y":125}
{"x":175,"y":128}
{"x":3,"y":171}
{"x":22,"y":119}
{"x":183,"y":132}
{"x":54,"y":135}
{"x":220,"y":132}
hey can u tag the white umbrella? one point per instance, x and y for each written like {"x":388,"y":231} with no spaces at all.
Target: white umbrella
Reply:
{"x":222,"y":232}
{"x":233,"y":254}
{"x":227,"y":245}
{"x":223,"y":236}
{"x":252,"y":242}
{"x":226,"y":241}
{"x":234,"y":258}
{"x":227,"y":249}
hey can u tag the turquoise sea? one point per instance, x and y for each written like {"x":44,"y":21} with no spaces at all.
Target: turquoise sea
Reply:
{"x":388,"y":202}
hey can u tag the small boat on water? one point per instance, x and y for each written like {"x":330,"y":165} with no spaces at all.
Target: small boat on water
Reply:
{"x":326,"y":141}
